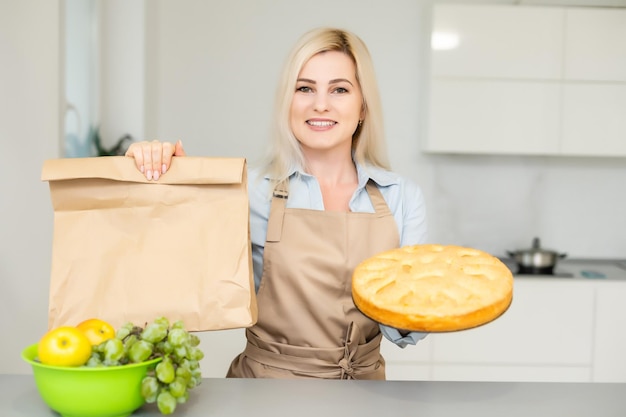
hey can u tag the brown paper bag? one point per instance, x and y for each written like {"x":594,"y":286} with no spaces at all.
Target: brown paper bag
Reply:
{"x":127,"y":249}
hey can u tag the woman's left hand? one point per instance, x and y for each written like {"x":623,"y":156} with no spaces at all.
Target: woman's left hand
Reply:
{"x":154,"y":158}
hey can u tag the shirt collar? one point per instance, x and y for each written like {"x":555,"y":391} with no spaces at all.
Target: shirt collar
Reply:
{"x":379,"y":175}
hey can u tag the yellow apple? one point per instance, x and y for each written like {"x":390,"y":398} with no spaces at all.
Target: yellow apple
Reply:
{"x":96,"y":330}
{"x":64,"y":346}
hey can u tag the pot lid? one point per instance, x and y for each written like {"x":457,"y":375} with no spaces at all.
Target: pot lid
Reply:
{"x":536,"y":247}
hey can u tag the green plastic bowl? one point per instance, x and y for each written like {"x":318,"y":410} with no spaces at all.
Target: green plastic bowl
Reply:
{"x":111,"y":391}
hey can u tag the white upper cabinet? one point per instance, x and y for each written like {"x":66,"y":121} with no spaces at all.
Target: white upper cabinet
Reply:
{"x":494,"y":116}
{"x":594,"y":83}
{"x":594,"y":119}
{"x":497,"y":41}
{"x":527,"y":80}
{"x":595,"y":44}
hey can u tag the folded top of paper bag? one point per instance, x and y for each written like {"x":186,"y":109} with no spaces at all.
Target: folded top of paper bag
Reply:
{"x":187,"y":170}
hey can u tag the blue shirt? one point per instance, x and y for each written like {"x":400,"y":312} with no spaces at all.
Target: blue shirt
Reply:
{"x":404,"y":198}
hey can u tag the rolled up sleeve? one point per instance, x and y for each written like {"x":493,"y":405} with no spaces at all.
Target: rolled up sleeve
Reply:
{"x":394,"y":336}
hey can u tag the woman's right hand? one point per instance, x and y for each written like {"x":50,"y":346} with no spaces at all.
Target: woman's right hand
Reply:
{"x":153,"y":159}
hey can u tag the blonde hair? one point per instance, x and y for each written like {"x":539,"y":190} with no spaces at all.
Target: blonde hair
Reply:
{"x":368,"y":141}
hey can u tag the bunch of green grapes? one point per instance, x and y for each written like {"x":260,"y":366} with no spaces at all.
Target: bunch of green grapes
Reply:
{"x":168,"y":384}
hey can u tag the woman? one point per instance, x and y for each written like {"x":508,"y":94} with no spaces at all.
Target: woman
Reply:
{"x":324,"y":201}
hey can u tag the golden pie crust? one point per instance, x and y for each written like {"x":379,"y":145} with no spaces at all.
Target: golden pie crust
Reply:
{"x":432,"y":288}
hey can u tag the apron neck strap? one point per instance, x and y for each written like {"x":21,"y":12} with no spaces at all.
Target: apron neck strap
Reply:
{"x":378,"y":201}
{"x":277,"y":211}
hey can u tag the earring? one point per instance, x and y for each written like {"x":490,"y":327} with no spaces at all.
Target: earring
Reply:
{"x":360,"y":122}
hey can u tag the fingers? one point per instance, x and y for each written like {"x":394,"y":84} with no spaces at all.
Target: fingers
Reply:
{"x":153,"y":159}
{"x":166,"y":157}
{"x":134,"y":151}
{"x":179,"y":151}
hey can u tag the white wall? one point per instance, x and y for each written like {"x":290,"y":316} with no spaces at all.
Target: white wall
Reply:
{"x":81,"y":82}
{"x":211,"y":74}
{"x":212,"y":71}
{"x":30,"y":130}
{"x":121,"y":70}
{"x":210,"y":77}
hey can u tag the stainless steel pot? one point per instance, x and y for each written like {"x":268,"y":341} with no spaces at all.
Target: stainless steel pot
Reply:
{"x":536,"y":259}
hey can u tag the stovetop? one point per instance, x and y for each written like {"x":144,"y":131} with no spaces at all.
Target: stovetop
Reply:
{"x":599,"y":269}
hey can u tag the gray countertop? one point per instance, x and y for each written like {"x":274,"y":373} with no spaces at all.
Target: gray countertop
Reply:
{"x":303,"y":398}
{"x":589,"y":270}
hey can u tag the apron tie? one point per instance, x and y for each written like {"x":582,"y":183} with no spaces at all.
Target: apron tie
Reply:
{"x":350,"y":361}
{"x":349,"y":350}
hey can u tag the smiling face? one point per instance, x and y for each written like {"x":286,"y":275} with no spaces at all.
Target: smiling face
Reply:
{"x":327,"y":103}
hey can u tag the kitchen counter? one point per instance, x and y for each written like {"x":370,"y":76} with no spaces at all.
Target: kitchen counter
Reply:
{"x":578,"y":270}
{"x":302,"y":398}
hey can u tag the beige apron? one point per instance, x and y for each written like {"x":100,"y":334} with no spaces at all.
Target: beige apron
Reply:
{"x":308,"y":325}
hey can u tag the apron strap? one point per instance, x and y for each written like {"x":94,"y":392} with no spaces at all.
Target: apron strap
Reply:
{"x":378,"y":201}
{"x":277,"y":211}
